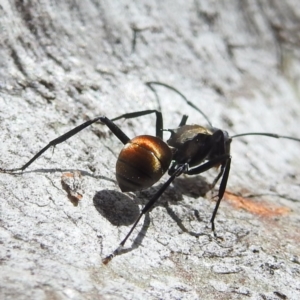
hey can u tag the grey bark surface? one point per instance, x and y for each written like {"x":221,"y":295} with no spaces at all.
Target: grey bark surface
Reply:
{"x":64,"y":62}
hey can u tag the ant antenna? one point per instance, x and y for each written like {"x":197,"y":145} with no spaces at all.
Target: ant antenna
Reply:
{"x":149,"y":83}
{"x":273,"y":135}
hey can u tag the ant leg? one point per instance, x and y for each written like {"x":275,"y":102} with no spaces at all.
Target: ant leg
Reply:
{"x":155,"y":93}
{"x":218,"y":176}
{"x":208,"y":165}
{"x":159,"y":119}
{"x":150,"y":83}
{"x":221,"y":192}
{"x":225,"y":159}
{"x":181,"y":169}
{"x":111,"y":125}
{"x":183,"y":120}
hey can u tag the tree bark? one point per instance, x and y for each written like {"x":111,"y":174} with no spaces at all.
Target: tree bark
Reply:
{"x":65,"y":62}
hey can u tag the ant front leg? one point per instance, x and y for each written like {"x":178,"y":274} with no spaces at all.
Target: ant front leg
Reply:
{"x":111,"y":125}
{"x":222,"y":188}
{"x":225,"y":160}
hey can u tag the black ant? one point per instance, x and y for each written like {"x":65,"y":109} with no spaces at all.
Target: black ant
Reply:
{"x":191,"y":150}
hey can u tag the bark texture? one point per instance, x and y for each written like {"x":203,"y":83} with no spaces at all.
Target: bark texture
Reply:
{"x":64,"y":62}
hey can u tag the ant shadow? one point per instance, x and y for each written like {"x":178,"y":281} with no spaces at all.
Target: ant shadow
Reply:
{"x":116,"y":207}
{"x":119,"y":209}
{"x":122,"y":210}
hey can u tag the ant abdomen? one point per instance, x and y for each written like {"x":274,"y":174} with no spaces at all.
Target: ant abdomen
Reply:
{"x":142,"y":162}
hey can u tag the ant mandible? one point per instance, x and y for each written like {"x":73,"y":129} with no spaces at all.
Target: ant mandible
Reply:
{"x":191,"y":150}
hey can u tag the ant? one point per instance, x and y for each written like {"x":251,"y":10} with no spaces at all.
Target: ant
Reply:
{"x":191,"y":150}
